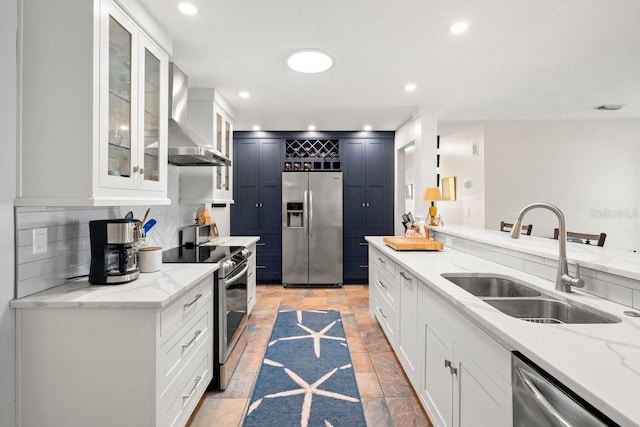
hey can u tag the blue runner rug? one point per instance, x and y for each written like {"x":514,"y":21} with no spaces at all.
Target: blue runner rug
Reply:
{"x":306,"y":377}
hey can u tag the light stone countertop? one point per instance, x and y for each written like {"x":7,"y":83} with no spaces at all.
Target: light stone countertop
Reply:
{"x":150,"y":290}
{"x":600,"y":362}
{"x":613,"y":261}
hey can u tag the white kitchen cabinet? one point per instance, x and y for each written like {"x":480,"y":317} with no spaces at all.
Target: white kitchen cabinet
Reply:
{"x":211,"y":117}
{"x":462,"y":376}
{"x":458,"y":387}
{"x":408,"y":332}
{"x":251,"y":280}
{"x":94,"y":106}
{"x":384,"y":294}
{"x":114,"y":366}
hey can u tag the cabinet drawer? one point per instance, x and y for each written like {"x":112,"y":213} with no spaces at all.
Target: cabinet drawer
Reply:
{"x":387,"y":317}
{"x":268,"y":268}
{"x":181,"y":346}
{"x":388,"y":286}
{"x":355,"y":245}
{"x":174,"y":316}
{"x":183,"y":394}
{"x":269,"y":244}
{"x":384,"y":263}
{"x":356,"y":269}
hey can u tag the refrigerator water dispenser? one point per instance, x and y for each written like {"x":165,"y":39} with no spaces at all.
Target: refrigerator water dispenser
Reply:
{"x":295,"y":216}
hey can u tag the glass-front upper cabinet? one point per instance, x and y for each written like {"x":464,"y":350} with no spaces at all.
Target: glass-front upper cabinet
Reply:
{"x":136,"y":76}
{"x":223,"y":134}
{"x":120,"y":90}
{"x":153,"y":114}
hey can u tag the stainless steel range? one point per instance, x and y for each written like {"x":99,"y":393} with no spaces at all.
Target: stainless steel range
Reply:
{"x":229,"y":302}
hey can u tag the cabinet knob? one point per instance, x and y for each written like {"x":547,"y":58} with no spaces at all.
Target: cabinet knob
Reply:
{"x":447,"y":363}
{"x":141,"y":171}
{"x":368,"y":205}
{"x":135,"y":169}
{"x":364,"y":204}
{"x":256,"y":205}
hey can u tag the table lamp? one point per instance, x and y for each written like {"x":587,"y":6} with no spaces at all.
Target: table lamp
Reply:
{"x":432,"y":194}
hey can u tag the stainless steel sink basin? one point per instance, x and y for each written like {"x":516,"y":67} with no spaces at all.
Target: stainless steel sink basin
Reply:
{"x":543,"y":310}
{"x":491,"y":286}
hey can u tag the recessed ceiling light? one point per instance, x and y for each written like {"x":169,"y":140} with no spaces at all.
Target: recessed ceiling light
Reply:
{"x":256,"y":127}
{"x":187,"y":8}
{"x":311,"y":127}
{"x":244,"y":95}
{"x":367,"y":127}
{"x":309,"y":61}
{"x":459,"y":27}
{"x":409,"y":87}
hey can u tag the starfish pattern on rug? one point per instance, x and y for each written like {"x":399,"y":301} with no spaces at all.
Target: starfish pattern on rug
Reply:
{"x":316,"y":336}
{"x":305,"y":388}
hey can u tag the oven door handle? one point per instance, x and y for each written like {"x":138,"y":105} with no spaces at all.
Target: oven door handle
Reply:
{"x":541,"y":400}
{"x":228,"y":282}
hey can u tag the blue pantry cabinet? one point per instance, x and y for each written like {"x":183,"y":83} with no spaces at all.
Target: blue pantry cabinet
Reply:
{"x":366,"y":161}
{"x":258,"y":198}
{"x":368,"y":200}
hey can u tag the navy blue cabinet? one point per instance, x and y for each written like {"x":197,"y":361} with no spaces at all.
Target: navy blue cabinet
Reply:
{"x":368,"y":200}
{"x":257,"y":174}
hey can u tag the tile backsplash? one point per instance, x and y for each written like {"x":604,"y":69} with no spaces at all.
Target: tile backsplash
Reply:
{"x":68,"y":246}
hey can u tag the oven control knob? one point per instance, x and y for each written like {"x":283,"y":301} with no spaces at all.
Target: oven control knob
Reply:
{"x":246,"y":253}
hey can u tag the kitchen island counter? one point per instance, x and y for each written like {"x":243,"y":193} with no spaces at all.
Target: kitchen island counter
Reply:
{"x":599,"y":362}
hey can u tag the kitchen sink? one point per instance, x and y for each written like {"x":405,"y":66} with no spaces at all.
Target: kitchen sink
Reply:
{"x":550,"y":311}
{"x":491,"y":286}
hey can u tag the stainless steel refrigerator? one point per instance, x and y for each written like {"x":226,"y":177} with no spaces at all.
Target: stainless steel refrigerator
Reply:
{"x":311,"y":228}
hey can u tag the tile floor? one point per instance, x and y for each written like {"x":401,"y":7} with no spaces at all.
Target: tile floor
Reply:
{"x":387,"y":396}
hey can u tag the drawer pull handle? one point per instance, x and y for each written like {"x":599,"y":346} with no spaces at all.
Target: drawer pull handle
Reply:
{"x":261,"y":244}
{"x":363,"y":266}
{"x":405,"y":276}
{"x":447,"y":363}
{"x":382,"y":313}
{"x":382,"y":284}
{"x":194,"y":301}
{"x":195,"y":386}
{"x":381,"y":260}
{"x":261,"y":267}
{"x":195,"y":335}
{"x":364,"y":243}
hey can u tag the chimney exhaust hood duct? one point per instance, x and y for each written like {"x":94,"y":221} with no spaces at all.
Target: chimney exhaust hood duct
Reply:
{"x":185,"y":147}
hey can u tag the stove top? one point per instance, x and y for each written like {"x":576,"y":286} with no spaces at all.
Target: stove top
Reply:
{"x":198,"y":254}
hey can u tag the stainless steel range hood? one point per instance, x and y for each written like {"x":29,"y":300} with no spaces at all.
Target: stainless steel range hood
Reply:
{"x":185,"y":147}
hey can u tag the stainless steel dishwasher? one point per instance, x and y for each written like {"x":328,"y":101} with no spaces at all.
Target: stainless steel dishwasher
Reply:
{"x":539,"y":400}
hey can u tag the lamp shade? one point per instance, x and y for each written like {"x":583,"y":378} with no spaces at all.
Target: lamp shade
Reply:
{"x":432,"y":194}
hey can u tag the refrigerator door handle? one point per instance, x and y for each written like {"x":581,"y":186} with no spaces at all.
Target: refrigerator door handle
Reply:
{"x":305,"y":212}
{"x":310,"y":213}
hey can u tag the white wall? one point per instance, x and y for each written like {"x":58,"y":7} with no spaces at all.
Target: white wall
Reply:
{"x":589,"y":169}
{"x":456,"y":159}
{"x":8,"y":28}
{"x":421,"y":130}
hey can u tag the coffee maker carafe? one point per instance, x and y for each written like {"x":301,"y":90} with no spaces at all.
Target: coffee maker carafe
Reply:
{"x":114,"y":259}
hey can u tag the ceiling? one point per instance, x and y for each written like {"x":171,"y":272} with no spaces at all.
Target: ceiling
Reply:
{"x":520,"y":59}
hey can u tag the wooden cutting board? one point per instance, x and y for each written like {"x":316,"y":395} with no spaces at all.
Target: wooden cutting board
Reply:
{"x":413,"y":244}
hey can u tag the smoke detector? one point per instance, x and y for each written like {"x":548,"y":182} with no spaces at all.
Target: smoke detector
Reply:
{"x":609,"y":107}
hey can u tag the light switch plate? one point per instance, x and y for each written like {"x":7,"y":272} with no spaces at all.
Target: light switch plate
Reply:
{"x":39,"y":241}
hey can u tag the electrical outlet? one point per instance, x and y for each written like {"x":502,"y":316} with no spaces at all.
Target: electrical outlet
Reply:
{"x":39,"y":241}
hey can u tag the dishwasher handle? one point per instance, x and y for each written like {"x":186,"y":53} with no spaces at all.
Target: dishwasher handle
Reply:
{"x":547,"y":407}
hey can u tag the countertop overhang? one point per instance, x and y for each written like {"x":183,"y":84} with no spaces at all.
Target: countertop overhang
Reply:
{"x":600,"y":362}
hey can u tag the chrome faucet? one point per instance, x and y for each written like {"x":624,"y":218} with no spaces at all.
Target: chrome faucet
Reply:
{"x":564,"y":281}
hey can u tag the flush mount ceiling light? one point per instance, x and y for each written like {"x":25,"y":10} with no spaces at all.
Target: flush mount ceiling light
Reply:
{"x":409,"y":87}
{"x":244,"y":95}
{"x":311,"y":127}
{"x":459,"y":27}
{"x":309,"y":61}
{"x":367,"y":127}
{"x":187,"y":8}
{"x":256,"y":127}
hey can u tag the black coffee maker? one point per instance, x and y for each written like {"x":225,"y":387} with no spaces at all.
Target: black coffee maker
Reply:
{"x":114,"y":259}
